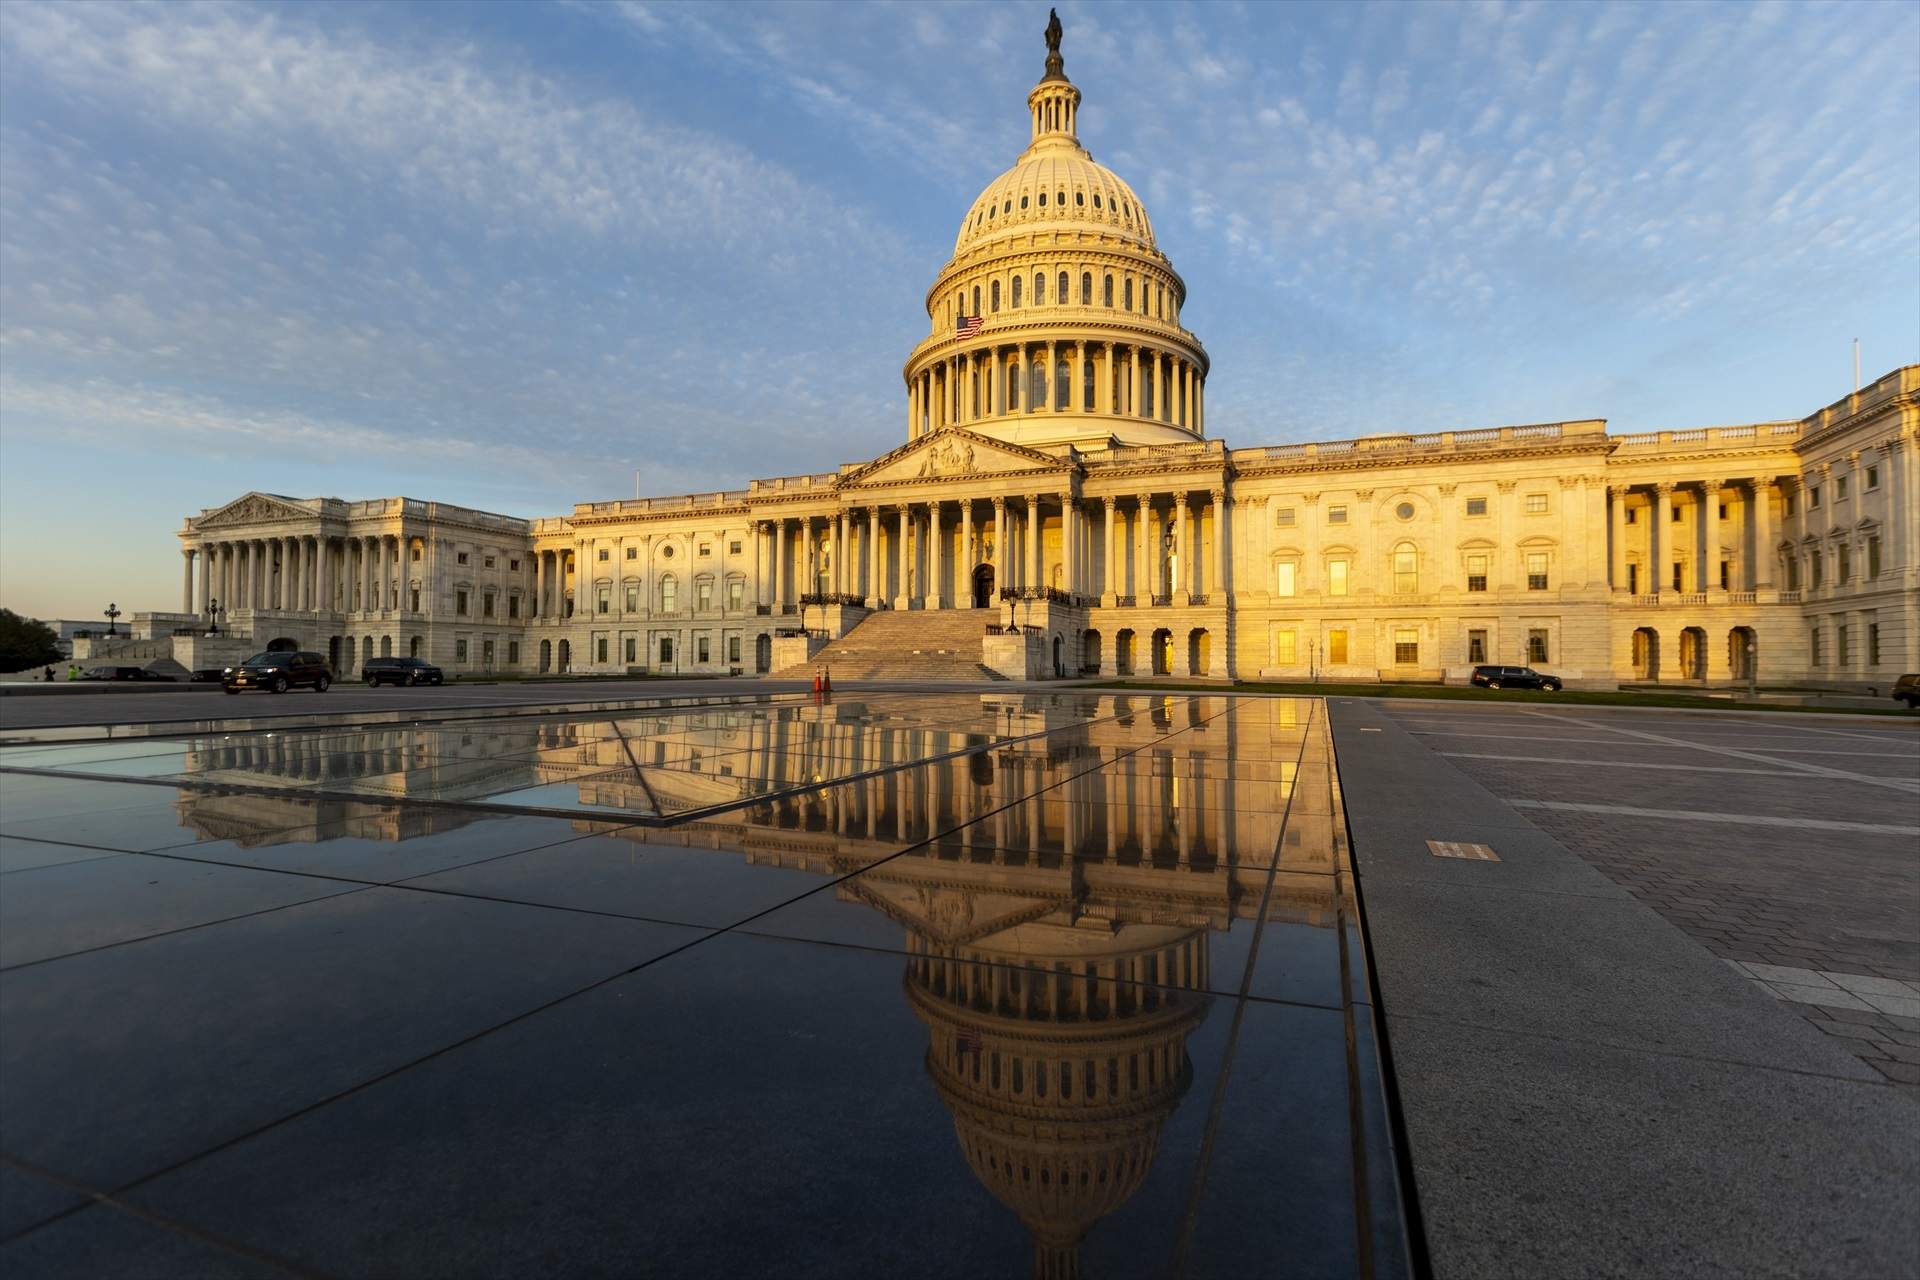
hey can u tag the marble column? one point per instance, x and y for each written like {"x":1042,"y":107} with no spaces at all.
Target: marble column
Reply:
{"x":1760,"y":500}
{"x":1709,"y":575}
{"x":1109,"y":577}
{"x":1033,"y":541}
{"x":186,"y":583}
{"x":1217,"y":557}
{"x":208,"y":568}
{"x":903,"y":597}
{"x":779,"y":566}
{"x":875,"y":591}
{"x":1000,"y":582}
{"x":1617,"y":505}
{"x":1144,"y":588}
{"x":967,"y":557}
{"x":1657,"y":552}
{"x":936,"y":562}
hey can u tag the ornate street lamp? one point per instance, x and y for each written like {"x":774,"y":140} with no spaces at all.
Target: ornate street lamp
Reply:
{"x":113,"y":611}
{"x":213,"y":617}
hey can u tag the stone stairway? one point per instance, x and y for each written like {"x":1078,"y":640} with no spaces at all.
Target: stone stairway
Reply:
{"x":907,"y":644}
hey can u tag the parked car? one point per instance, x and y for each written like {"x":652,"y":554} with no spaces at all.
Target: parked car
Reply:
{"x":279,"y":672}
{"x":207,"y":675}
{"x":123,"y":673}
{"x":1907,"y":689}
{"x":1515,"y":678}
{"x":379,"y":671}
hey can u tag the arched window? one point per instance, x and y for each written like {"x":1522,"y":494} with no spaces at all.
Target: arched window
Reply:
{"x":1040,"y":289}
{"x":1061,"y":198}
{"x":1009,"y":206}
{"x":1086,"y":383}
{"x":1023,"y":202}
{"x":996,"y":295}
{"x":976,"y":301}
{"x":1106,"y":292}
{"x":1066,"y":284}
{"x":1086,"y":288}
{"x":1043,"y":199}
{"x":1149,"y":370}
{"x":1406,"y":570}
{"x":1013,"y":386}
{"x":1126,"y":294}
{"x":1160,"y":301}
{"x":1016,"y":290}
{"x":1080,"y":199}
{"x":1062,"y":385}
{"x":1096,"y":199}
{"x":1038,"y":399}
{"x":976,"y":390}
{"x":669,"y":593}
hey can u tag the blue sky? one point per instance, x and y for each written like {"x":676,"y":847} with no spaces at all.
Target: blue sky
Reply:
{"x":506,"y":255}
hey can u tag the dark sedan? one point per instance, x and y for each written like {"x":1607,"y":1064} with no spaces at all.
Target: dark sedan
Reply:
{"x":407,"y":671}
{"x":279,"y":671}
{"x":123,"y":673}
{"x":1515,"y":678}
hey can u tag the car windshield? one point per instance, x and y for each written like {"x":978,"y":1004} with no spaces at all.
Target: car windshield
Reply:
{"x":264,"y":660}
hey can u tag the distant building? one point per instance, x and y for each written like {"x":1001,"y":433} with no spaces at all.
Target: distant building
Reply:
{"x":1057,"y":460}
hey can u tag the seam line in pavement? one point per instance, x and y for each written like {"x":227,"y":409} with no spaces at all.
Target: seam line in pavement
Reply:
{"x":1624,"y":764}
{"x":1737,"y":819}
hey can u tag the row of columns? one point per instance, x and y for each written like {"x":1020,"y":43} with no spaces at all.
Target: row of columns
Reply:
{"x":297,"y":573}
{"x":1129,"y":380}
{"x":1707,"y":535}
{"x":858,"y":552}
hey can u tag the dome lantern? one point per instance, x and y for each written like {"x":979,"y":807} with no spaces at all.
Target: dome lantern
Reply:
{"x":1054,"y":102}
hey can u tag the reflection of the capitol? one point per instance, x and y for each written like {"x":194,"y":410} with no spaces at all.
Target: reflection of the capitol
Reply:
{"x":1058,"y":892}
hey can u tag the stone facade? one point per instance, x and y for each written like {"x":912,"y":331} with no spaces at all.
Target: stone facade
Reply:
{"x":1057,"y":475}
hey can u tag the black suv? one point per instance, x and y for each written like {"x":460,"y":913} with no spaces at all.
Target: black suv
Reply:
{"x":1907,"y":689}
{"x":1515,"y":678}
{"x":278,"y":671}
{"x":378,"y":671}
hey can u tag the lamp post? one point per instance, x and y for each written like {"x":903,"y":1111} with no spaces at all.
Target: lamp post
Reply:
{"x":113,"y":611}
{"x":1166,"y":558}
{"x":1753,"y":668}
{"x":213,"y":617}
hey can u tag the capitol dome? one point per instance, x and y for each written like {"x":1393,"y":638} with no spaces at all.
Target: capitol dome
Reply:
{"x":1057,"y":321}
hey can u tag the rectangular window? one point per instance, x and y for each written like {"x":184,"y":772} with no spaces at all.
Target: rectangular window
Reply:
{"x":1840,"y":643}
{"x":1476,"y":573}
{"x":1873,"y":477}
{"x":1286,"y":518}
{"x":1873,"y":556}
{"x":1813,"y":645}
{"x":459,"y":650}
{"x":1337,"y":645}
{"x":633,"y":553}
{"x":706,"y":548}
{"x":1536,"y":571}
{"x":1406,"y":647}
{"x":1406,"y":572}
{"x":633,"y":649}
{"x":513,"y":566}
{"x":1679,"y":575}
{"x":666,"y":650}
{"x":1786,"y":504}
{"x":700,"y":650}
{"x":1840,"y":492}
{"x":414,"y":555}
{"x":736,"y":594}
{"x":603,"y":600}
{"x":1873,"y":644}
{"x":600,"y":649}
{"x":1336,"y":515}
{"x":1537,"y":645}
{"x":1286,"y":647}
{"x":1633,"y":515}
{"x":1676,"y":514}
{"x":413,"y":594}
{"x":633,"y":597}
{"x":1336,"y":577}
{"x":460,"y":557}
{"x":733,"y":647}
{"x":486,"y":604}
{"x":1476,"y":506}
{"x":1813,"y":498}
{"x":486,"y":654}
{"x":1817,"y":569}
{"x":1726,"y":574}
{"x":1536,"y":504}
{"x":1283,"y":579}
{"x":488,"y":562}
{"x":703,"y":595}
{"x":1476,"y":647}
{"x":513,"y":653}
{"x":605,"y":555}
{"x":460,"y":603}
{"x":1723,"y":511}
{"x":1846,"y":563}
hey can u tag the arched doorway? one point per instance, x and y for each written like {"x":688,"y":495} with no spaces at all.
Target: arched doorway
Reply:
{"x":546,"y":655}
{"x":413,"y":647}
{"x":1059,"y":657}
{"x":1123,"y":652}
{"x":1163,"y":652}
{"x":386,"y":646}
{"x":282,"y":644}
{"x":333,"y":652}
{"x":566,"y":656}
{"x":1693,"y":653}
{"x":763,"y":653}
{"x":1743,"y":652}
{"x":1646,"y":654}
{"x":366,"y":650}
{"x":983,"y":587}
{"x":1090,"y":653}
{"x":1200,"y":652}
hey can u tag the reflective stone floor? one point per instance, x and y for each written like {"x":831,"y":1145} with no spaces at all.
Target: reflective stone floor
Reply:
{"x":905,"y":984}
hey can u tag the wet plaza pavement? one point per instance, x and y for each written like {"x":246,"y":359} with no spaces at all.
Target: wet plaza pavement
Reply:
{"x":899,"y":984}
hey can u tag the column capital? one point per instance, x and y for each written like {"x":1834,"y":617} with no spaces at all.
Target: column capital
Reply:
{"x":1366,"y":495}
{"x":1218,"y":495}
{"x":1107,"y":501}
{"x":999,"y":502}
{"x":1507,"y":486}
{"x":1180,"y":499}
{"x":1710,"y":487}
{"x":1310,"y":499}
{"x":1664,"y":488}
{"x":1144,"y":499}
{"x":1572,"y":482}
{"x":1619,"y":490}
{"x":1446,"y":490}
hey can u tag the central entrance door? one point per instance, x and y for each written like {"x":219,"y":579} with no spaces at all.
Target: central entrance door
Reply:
{"x":983,"y":587}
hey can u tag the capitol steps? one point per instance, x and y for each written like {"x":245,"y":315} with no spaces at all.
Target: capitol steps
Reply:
{"x":907,"y":644}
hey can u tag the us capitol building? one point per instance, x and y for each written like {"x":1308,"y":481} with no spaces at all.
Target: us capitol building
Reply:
{"x":1058,"y":508}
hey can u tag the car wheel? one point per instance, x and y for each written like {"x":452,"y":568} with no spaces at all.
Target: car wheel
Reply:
{"x":279,"y":684}
{"x":320,"y":685}
{"x":225,"y":689}
{"x":1493,"y":684}
{"x":411,"y":680}
{"x":1551,"y":686}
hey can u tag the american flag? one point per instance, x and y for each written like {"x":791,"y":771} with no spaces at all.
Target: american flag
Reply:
{"x":967,"y":326}
{"x":967,"y":1040}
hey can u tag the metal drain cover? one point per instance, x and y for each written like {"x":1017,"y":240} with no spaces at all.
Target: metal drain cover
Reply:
{"x":1461,"y":849}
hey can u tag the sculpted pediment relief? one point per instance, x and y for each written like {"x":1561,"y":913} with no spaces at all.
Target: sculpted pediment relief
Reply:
{"x":952,"y":452}
{"x":947,"y":915}
{"x":254,"y":508}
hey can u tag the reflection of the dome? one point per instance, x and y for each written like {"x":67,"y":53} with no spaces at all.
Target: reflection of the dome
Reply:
{"x":1060,"y":884}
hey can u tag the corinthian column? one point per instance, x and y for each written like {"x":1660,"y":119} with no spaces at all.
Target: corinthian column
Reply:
{"x":1217,"y":558}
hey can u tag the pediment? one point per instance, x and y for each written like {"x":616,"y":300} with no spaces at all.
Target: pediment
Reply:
{"x":950,"y":916}
{"x":253,"y":508}
{"x":953,"y":452}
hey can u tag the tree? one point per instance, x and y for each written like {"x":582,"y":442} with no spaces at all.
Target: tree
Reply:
{"x":26,"y":642}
